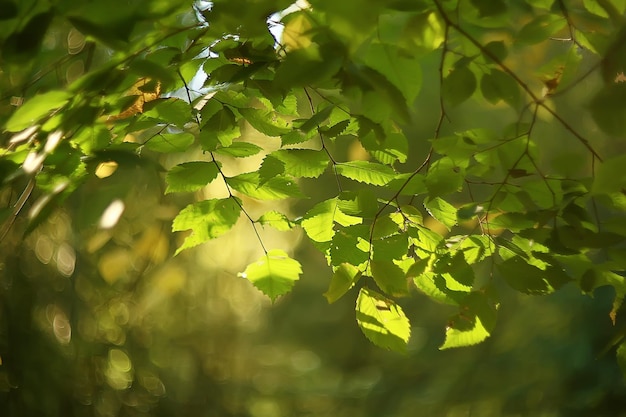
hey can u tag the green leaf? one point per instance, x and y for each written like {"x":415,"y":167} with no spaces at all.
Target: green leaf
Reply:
{"x":394,"y":147}
{"x":366,"y":172}
{"x":274,"y":274}
{"x":350,"y":245}
{"x":265,"y":121}
{"x":443,"y":178}
{"x":523,"y":277}
{"x":389,"y":277}
{"x":441,"y":210}
{"x":458,"y":86}
{"x":275,"y":188}
{"x":207,"y":219}
{"x":398,"y":67}
{"x":513,"y":222}
{"x":344,"y":278}
{"x":497,"y":85}
{"x":541,"y":28}
{"x":239,"y":150}
{"x":360,"y":203}
{"x":170,"y":142}
{"x":317,"y":119}
{"x":34,"y":109}
{"x":221,"y":128}
{"x":307,"y":163}
{"x":435,"y":286}
{"x":270,"y":168}
{"x":382,"y":321}
{"x":319,"y":221}
{"x":276,"y":220}
{"x":168,"y":110}
{"x":190,"y":176}
{"x":472,"y":325}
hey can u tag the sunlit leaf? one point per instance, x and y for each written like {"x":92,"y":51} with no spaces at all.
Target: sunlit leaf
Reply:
{"x":473,"y":324}
{"x":190,"y":176}
{"x":34,"y":109}
{"x":442,"y":211}
{"x":366,"y":172}
{"x":239,"y":150}
{"x":274,"y":274}
{"x":382,"y":321}
{"x":275,"y":188}
{"x":265,"y":122}
{"x":207,"y":220}
{"x":170,"y":142}
{"x":306,"y":163}
{"x":389,"y":277}
{"x":276,"y":220}
{"x":344,"y":278}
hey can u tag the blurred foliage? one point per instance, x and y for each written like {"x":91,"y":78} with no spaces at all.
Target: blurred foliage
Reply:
{"x":162,"y":162}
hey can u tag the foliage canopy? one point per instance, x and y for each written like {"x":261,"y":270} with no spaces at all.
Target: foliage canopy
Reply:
{"x":519,"y":179}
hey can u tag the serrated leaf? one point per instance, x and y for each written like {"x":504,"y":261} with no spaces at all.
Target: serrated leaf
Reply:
{"x":403,"y":71}
{"x":443,"y":178}
{"x":170,"y":142}
{"x":276,"y":220}
{"x":524,"y":277}
{"x":239,"y":150}
{"x":306,"y":163}
{"x":317,"y":119}
{"x":473,"y":334}
{"x":344,"y":278}
{"x":190,"y":176}
{"x":168,"y":110}
{"x":274,"y":274}
{"x":295,"y":137}
{"x":497,"y":85}
{"x":265,"y":121}
{"x":349,"y":245}
{"x":366,"y":172}
{"x":390,"y":247}
{"x":434,"y":286}
{"x":270,"y":168}
{"x":473,"y":324}
{"x":382,"y":321}
{"x":275,"y":188}
{"x":34,"y":109}
{"x":458,"y":86}
{"x":360,"y":203}
{"x":389,"y":277}
{"x":207,"y":220}
{"x":394,"y":147}
{"x":319,"y":221}
{"x":221,"y":129}
{"x":441,"y":210}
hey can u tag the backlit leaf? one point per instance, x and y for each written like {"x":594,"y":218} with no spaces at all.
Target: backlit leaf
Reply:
{"x":366,"y":172}
{"x":190,"y":176}
{"x":382,"y":321}
{"x":34,"y":109}
{"x":275,"y":188}
{"x":441,"y":210}
{"x":274,"y":274}
{"x":207,"y":220}
{"x":344,"y":278}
